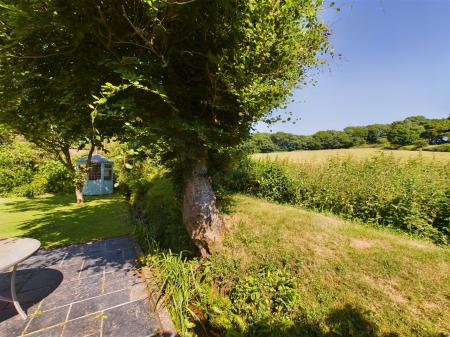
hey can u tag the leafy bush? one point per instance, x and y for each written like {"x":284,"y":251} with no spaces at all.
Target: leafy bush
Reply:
{"x":58,"y":177}
{"x":265,"y":179}
{"x":160,"y":210}
{"x":18,"y":162}
{"x":6,"y":135}
{"x":265,"y":295}
{"x":34,"y":188}
{"x":410,"y":195}
{"x":27,"y":172}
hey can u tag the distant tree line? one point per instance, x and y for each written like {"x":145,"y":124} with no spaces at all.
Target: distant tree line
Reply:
{"x":416,"y":131}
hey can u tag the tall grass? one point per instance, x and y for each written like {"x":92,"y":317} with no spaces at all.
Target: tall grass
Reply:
{"x":411,"y":195}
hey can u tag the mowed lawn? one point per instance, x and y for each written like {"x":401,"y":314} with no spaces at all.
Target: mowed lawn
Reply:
{"x":57,"y":220}
{"x":320,"y":156}
{"x":353,"y":279}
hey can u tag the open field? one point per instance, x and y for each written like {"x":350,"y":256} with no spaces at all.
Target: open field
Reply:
{"x":57,"y":220}
{"x":357,"y":153}
{"x":352,"y":280}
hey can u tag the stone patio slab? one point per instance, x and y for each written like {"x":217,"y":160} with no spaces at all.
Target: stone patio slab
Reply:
{"x":93,"y":289}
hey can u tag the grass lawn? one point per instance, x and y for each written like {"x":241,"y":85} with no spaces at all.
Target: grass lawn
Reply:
{"x":57,"y":220}
{"x":357,"y":153}
{"x":353,"y":280}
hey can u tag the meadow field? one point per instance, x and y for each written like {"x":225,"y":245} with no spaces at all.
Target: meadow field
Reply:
{"x":319,"y":156}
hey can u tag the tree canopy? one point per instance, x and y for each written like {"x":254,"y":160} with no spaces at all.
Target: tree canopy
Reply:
{"x":185,"y":79}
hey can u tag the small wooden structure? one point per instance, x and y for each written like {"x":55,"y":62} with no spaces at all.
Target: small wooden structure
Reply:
{"x":99,"y":179}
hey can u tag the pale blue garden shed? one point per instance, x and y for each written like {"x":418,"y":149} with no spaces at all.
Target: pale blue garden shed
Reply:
{"x":99,"y":179}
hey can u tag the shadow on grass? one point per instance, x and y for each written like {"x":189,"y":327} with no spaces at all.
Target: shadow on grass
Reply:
{"x":57,"y":220}
{"x":348,"y":321}
{"x":42,"y":204}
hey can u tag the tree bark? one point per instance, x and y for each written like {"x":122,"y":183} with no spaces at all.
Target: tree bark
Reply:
{"x":200,"y":214}
{"x":79,"y":195}
{"x":68,"y":162}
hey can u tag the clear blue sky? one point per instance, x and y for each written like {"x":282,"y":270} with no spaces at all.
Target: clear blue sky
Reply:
{"x":395,"y":63}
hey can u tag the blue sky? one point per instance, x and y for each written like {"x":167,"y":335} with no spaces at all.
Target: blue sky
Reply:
{"x":395,"y":63}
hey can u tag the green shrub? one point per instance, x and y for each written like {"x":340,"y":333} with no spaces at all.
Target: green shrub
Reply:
{"x":161,"y":211}
{"x":58,"y":177}
{"x":409,"y":195}
{"x":18,"y":164}
{"x":34,"y":188}
{"x":266,"y":295}
{"x":265,"y":179}
{"x":25,"y":171}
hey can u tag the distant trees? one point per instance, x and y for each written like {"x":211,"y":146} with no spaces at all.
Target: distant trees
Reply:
{"x":405,"y":133}
{"x":415,"y":130}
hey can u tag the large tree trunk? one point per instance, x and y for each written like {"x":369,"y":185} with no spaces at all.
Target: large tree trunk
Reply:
{"x":200,"y":214}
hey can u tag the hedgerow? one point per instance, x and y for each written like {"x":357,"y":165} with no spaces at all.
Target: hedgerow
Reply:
{"x":410,"y":195}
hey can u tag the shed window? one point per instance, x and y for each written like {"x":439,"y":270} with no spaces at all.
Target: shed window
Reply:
{"x":107,"y":172}
{"x":95,"y":172}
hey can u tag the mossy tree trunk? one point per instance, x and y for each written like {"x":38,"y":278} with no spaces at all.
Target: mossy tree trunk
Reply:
{"x":200,"y":214}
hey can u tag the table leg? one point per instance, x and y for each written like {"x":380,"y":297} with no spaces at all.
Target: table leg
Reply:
{"x":14,"y":295}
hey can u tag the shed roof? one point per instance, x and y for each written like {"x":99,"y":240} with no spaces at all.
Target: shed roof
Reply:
{"x":96,"y":158}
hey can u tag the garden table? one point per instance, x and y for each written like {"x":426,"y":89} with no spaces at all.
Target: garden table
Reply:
{"x":12,"y":252}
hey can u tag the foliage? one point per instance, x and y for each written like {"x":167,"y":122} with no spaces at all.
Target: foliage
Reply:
{"x":265,"y":295}
{"x":404,"y":133}
{"x":6,"y":135}
{"x":268,"y":180}
{"x":176,"y":278}
{"x":411,"y":195}
{"x":45,"y":91}
{"x":26,"y":171}
{"x":416,"y":131}
{"x":57,"y":176}
{"x":160,"y":210}
{"x":192,"y":77}
{"x":18,"y":163}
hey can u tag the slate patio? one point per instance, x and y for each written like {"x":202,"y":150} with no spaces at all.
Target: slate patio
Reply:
{"x":79,"y":291}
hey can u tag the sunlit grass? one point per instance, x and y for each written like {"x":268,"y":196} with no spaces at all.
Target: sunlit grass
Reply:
{"x":57,"y":220}
{"x":373,"y":278}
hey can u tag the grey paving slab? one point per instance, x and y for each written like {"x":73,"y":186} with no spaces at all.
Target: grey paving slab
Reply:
{"x":54,"y":331}
{"x":126,"y":320}
{"x":99,"y":303}
{"x":85,"y":290}
{"x":42,"y":320}
{"x":86,"y":326}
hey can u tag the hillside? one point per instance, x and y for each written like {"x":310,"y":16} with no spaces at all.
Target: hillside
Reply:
{"x":352,"y":280}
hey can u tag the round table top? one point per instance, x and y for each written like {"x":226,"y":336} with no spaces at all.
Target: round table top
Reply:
{"x":15,"y":250}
